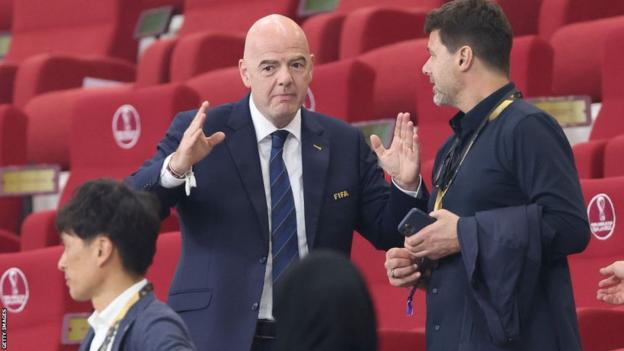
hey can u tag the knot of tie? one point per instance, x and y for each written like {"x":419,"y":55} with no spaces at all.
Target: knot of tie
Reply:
{"x":278,"y":138}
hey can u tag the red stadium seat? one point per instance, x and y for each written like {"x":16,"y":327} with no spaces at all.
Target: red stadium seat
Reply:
{"x":601,"y":329}
{"x":9,"y":242}
{"x":164,"y":264}
{"x":613,"y":165}
{"x":34,"y":292}
{"x":590,"y":156}
{"x":341,"y":89}
{"x":12,"y":153}
{"x":333,"y":36}
{"x":139,"y":119}
{"x":605,"y":201}
{"x":555,"y":14}
{"x":6,"y":15}
{"x":401,"y":340}
{"x":575,"y":74}
{"x":53,"y":45}
{"x":390,"y":302}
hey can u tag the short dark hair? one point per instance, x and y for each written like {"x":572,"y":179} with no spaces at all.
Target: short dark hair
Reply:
{"x":129,"y":218}
{"x":480,"y":24}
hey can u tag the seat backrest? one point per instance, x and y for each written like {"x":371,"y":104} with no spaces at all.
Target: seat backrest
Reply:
{"x":231,"y":15}
{"x":114,"y":132}
{"x":609,"y":122}
{"x":34,"y":292}
{"x":604,"y":199}
{"x":101,"y":27}
{"x":613,"y":165}
{"x":12,"y":153}
{"x":531,"y":62}
{"x":557,"y":13}
{"x":165,"y":262}
{"x":6,"y":15}
{"x":396,"y":69}
{"x":351,"y":5}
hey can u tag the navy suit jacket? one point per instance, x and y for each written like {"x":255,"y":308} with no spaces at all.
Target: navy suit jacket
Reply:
{"x":224,"y":222}
{"x":149,"y":325}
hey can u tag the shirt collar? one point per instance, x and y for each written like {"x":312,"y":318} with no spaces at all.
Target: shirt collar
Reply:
{"x":106,"y":318}
{"x":465,"y":124}
{"x":264,"y":127}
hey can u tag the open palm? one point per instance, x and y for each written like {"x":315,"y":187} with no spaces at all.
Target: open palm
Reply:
{"x":402,"y":159}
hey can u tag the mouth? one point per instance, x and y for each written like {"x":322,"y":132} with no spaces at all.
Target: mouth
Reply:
{"x":282,"y":97}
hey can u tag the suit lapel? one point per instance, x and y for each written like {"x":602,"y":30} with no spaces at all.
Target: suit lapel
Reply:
{"x":241,"y":142}
{"x":315,"y":154}
{"x":86,"y":342}
{"x":128,"y":321}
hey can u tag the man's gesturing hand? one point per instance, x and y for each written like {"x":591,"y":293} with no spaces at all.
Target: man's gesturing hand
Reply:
{"x":195,"y":145}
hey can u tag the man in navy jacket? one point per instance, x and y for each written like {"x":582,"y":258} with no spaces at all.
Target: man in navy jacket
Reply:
{"x":109,"y":235}
{"x":507,"y":201}
{"x":233,"y":170}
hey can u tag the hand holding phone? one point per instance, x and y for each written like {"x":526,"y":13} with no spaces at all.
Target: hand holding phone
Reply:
{"x":414,"y":221}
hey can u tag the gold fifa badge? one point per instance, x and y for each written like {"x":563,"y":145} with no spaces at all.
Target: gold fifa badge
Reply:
{"x":341,"y":195}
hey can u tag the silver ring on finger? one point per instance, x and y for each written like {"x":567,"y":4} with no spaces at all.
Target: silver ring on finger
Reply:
{"x":392,"y":274}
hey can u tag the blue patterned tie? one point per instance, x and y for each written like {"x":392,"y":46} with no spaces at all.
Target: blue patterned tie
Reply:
{"x":285,"y":247}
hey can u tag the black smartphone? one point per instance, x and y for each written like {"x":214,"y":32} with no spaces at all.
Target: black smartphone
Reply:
{"x":414,"y":221}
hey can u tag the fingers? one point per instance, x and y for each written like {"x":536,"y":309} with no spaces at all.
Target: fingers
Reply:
{"x":200,"y":117}
{"x":612,"y":280}
{"x":409,"y":280}
{"x":377,"y":145}
{"x":215,"y":138}
{"x":608,"y":270}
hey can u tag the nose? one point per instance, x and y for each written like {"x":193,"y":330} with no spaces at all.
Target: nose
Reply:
{"x":425,"y":68}
{"x":284,"y":78}
{"x":61,"y":263}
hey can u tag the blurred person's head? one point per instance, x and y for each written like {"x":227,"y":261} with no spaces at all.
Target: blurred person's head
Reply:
{"x":277,"y":66}
{"x":109,"y":236}
{"x":469,"y":45}
{"x":322,"y":304}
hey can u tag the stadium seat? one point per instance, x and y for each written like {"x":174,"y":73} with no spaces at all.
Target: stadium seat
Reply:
{"x":164,"y":264}
{"x":575,"y":74}
{"x":36,"y":296}
{"x":555,"y":14}
{"x":605,"y":202}
{"x":12,"y":153}
{"x":601,"y":329}
{"x":6,"y":15}
{"x":9,"y":242}
{"x":353,"y":28}
{"x":401,"y":340}
{"x":589,"y":156}
{"x":139,"y":120}
{"x":53,"y":45}
{"x":341,"y":89}
{"x":614,"y":150}
{"x":390,"y":302}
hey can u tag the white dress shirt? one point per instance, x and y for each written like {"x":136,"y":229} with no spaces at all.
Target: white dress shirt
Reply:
{"x":102,"y":321}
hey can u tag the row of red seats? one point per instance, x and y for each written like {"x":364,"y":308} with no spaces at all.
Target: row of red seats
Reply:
{"x":598,"y":321}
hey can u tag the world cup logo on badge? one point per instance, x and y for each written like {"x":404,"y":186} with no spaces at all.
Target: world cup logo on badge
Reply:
{"x":601,"y":214}
{"x":14,"y":290}
{"x":309,"y":103}
{"x":126,"y":126}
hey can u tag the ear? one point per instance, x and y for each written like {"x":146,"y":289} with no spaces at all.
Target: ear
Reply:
{"x":244,"y":73}
{"x":311,"y":66}
{"x":464,"y":58}
{"x":103,"y":248}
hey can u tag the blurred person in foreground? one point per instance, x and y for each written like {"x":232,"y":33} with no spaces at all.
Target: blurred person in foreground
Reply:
{"x":109,"y":236}
{"x":322,"y":304}
{"x":506,"y":197}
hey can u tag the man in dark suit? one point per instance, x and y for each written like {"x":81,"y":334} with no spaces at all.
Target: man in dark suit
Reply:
{"x":109,"y":233}
{"x":259,"y":183}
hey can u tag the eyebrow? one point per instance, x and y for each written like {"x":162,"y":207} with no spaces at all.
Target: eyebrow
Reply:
{"x":273,"y":62}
